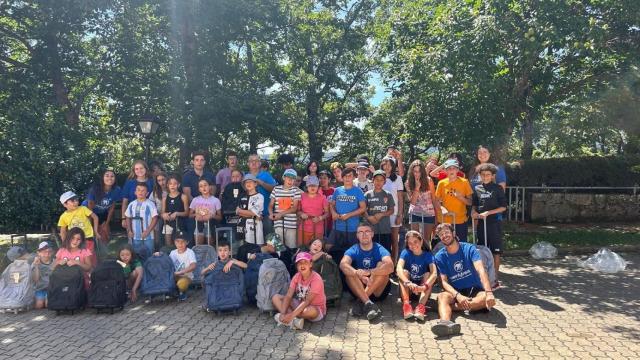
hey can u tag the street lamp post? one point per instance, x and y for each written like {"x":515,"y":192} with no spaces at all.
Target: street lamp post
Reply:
{"x":148,"y":126}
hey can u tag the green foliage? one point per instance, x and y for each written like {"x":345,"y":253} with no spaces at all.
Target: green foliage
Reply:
{"x":583,"y":171}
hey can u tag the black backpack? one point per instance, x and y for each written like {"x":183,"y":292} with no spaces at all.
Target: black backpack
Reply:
{"x":108,"y":287}
{"x":66,"y":289}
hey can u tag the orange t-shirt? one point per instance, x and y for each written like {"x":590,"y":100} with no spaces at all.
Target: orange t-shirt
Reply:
{"x":444,"y":192}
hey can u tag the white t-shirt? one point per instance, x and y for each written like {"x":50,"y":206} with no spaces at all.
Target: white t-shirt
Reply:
{"x":182,"y":261}
{"x":393,"y":187}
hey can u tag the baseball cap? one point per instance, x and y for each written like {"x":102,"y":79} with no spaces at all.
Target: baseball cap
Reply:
{"x":303,"y":256}
{"x":363,"y":165}
{"x":43,"y":245}
{"x":67,"y":196}
{"x":290,"y":173}
{"x":249,"y":177}
{"x":15,"y":252}
{"x":380,"y":172}
{"x":451,"y":162}
{"x":313,"y":181}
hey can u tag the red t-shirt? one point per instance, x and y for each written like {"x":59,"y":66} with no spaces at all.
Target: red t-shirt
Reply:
{"x":313,"y":285}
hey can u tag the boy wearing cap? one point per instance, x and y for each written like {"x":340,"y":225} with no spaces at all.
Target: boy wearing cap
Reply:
{"x":380,"y":205}
{"x":314,"y":209}
{"x":363,"y":181}
{"x":77,"y":216}
{"x":305,"y":298}
{"x":454,"y":194}
{"x":42,"y":268}
{"x":347,"y":205}
{"x":251,"y":206}
{"x":283,"y":207}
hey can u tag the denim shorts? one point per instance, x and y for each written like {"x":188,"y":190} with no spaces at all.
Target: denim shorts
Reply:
{"x":417,"y":219}
{"x":41,"y":294}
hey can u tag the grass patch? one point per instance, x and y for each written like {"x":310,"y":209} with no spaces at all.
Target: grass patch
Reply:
{"x":562,"y":238}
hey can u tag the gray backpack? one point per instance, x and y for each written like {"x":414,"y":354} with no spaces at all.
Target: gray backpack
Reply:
{"x":273,"y":278}
{"x":16,"y":287}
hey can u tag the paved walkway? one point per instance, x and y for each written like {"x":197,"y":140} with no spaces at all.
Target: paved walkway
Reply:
{"x":550,"y":309}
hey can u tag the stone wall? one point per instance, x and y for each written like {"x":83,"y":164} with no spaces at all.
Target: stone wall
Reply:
{"x":568,"y":207}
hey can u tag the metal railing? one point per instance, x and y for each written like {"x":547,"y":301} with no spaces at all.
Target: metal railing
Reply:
{"x":518,"y":196}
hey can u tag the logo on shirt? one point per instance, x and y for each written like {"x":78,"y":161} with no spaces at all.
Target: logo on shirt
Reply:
{"x":366,"y":263}
{"x":415,"y":268}
{"x":457,"y":266}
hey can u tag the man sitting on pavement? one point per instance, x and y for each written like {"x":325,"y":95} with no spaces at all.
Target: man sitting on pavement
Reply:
{"x":366,"y":267}
{"x":465,"y":282}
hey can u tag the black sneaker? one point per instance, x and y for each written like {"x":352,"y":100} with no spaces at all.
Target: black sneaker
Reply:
{"x":357,"y":308}
{"x":445,"y":328}
{"x":372,"y":310}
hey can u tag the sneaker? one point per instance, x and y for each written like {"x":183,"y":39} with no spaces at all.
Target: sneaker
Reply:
{"x":297,"y":323}
{"x":407,"y":311}
{"x":357,"y":309}
{"x":420,"y":312}
{"x":276,"y":317}
{"x":393,"y":279}
{"x":372,"y":310}
{"x":182,"y":297}
{"x":445,"y":328}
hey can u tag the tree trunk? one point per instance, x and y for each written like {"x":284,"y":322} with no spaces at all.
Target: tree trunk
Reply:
{"x":71,"y":111}
{"x":527,"y":136}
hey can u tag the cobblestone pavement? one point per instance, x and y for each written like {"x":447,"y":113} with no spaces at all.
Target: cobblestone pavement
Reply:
{"x":548,"y":309}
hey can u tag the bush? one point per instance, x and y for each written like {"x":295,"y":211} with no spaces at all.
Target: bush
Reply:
{"x":583,"y":171}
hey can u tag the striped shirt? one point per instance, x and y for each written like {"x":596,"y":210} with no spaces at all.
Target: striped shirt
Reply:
{"x":284,"y":199}
{"x":141,"y":214}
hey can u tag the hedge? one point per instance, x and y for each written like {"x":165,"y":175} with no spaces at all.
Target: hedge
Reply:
{"x":620,"y":171}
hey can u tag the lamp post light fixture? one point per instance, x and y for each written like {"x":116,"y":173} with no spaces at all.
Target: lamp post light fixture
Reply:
{"x":148,"y":127}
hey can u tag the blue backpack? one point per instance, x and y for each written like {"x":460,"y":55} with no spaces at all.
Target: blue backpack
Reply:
{"x":158,"y":276}
{"x":251,"y":276}
{"x":205,"y":255}
{"x":224,"y":291}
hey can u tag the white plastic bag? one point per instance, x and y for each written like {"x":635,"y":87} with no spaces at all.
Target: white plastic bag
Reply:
{"x":604,"y":260}
{"x":543,"y":250}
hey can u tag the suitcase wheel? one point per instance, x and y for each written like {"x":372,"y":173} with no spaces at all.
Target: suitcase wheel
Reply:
{"x":57,"y":312}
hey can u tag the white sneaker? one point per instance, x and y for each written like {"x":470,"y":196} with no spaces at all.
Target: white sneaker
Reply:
{"x":297,"y":323}
{"x":276,"y":317}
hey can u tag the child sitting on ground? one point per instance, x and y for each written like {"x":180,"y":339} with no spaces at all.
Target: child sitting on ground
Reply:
{"x":132,"y":268}
{"x":224,"y":259}
{"x":416,"y":272}
{"x":42,"y":268}
{"x":184,"y":262}
{"x":305,"y":298}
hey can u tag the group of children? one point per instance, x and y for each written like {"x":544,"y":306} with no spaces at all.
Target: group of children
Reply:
{"x":322,"y":218}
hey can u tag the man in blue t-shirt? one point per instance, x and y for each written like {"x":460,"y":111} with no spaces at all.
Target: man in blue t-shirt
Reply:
{"x":366,"y":267}
{"x":266,"y":183}
{"x":347,"y":204}
{"x":465,"y":283}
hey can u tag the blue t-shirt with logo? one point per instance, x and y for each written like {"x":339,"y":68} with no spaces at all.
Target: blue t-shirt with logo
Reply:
{"x":348,"y":200}
{"x":366,"y":259}
{"x":416,"y":265}
{"x":459,"y":266}
{"x":102,"y":205}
